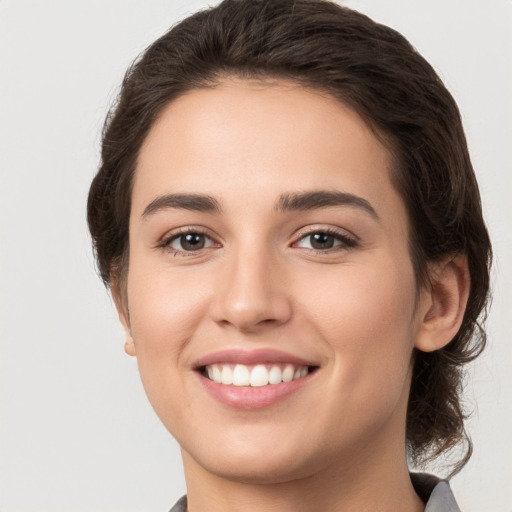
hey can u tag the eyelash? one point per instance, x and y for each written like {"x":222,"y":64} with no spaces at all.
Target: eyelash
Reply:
{"x":167,"y":241}
{"x":346,"y":241}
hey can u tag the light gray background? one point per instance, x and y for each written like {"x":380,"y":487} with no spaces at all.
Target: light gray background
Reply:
{"x":77,"y":433}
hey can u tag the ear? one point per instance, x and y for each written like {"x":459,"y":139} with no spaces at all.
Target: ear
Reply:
{"x":124,"y":316}
{"x":441,"y":308}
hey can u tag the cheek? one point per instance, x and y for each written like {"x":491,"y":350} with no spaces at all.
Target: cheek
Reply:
{"x":165,"y":310}
{"x":372,"y":301}
{"x":164,"y":314}
{"x":366,"y":321}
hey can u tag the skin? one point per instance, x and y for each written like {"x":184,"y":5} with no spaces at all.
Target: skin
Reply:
{"x":338,"y":443}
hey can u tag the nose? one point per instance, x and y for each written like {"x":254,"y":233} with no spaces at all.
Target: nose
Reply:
{"x":253,"y":293}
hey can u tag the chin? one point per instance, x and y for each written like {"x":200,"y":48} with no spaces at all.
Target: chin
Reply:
{"x":260,"y":465}
{"x":262,"y":472}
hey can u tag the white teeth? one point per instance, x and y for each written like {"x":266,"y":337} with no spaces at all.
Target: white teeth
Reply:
{"x":275,"y":375}
{"x":226,"y":375}
{"x":241,"y":375}
{"x":288,"y":373}
{"x":255,"y":376}
{"x":216,"y":374}
{"x":259,"y":376}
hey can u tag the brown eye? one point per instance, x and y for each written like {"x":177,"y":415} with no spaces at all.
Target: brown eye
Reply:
{"x":192,"y":241}
{"x":325,"y":240}
{"x":321,"y":241}
{"x":187,"y":242}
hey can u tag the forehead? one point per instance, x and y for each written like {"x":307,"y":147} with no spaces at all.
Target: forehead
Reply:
{"x":243,"y":138}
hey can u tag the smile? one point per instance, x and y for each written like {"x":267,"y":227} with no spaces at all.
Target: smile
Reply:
{"x":258,"y":375}
{"x":252,"y":380}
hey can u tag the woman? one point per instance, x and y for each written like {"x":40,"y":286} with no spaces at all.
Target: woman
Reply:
{"x":290,"y":225}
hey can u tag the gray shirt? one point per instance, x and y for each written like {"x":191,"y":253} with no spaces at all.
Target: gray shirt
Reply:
{"x":434,"y":492}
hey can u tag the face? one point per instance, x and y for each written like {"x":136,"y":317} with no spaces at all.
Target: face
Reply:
{"x":271,"y":296}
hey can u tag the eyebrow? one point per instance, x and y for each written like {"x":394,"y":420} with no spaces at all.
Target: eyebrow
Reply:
{"x":323,"y":199}
{"x":296,"y":201}
{"x":194,"y":202}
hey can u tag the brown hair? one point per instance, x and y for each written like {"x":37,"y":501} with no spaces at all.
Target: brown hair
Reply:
{"x":377,"y":72}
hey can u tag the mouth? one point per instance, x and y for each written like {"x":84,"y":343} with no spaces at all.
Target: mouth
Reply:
{"x":253,"y":380}
{"x":257,"y":375}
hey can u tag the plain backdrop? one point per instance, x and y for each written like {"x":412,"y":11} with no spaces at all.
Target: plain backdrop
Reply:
{"x":76,"y":432}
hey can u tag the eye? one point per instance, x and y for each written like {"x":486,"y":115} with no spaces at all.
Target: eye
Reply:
{"x":189,"y":242}
{"x":325,"y":240}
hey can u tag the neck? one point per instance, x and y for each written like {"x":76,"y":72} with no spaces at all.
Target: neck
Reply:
{"x":357,"y":484}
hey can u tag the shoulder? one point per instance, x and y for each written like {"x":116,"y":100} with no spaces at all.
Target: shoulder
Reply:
{"x":436,"y":493}
{"x":180,"y":506}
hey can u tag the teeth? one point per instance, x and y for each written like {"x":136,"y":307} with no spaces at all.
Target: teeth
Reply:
{"x":288,"y":373}
{"x":255,"y":376}
{"x":275,"y":375}
{"x":216,"y":374}
{"x":226,"y":375}
{"x":241,"y":375}
{"x":259,"y":376}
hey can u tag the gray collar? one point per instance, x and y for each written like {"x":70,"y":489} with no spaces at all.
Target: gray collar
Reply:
{"x":436,"y":493}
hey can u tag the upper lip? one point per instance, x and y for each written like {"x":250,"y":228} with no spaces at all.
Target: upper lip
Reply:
{"x":250,"y":357}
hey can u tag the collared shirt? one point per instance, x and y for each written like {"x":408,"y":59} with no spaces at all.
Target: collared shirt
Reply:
{"x":434,"y":492}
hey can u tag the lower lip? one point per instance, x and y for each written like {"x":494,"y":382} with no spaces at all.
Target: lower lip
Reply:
{"x":248,"y":397}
